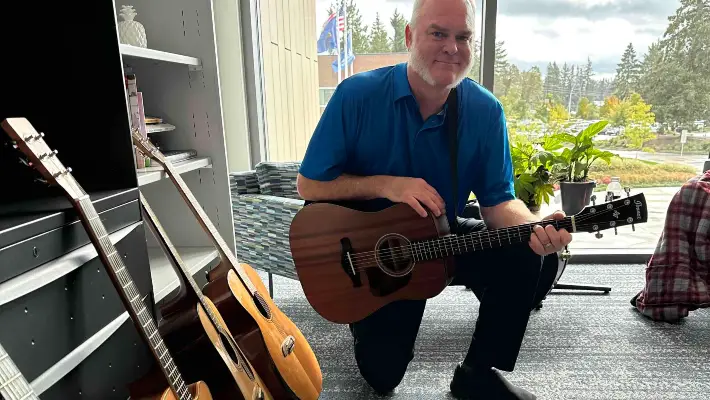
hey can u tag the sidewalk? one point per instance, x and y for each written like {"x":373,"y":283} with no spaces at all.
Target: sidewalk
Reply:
{"x":646,"y":235}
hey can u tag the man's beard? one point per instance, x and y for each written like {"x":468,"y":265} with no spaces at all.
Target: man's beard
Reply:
{"x":420,"y":67}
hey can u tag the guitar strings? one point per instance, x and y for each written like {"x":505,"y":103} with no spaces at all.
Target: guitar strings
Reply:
{"x":362,"y":263}
{"x":405,"y":252}
{"x":489,"y":235}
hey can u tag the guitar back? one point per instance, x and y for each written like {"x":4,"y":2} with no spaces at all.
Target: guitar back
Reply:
{"x":343,"y":292}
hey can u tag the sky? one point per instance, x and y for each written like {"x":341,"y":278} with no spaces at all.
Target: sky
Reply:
{"x":540,"y":31}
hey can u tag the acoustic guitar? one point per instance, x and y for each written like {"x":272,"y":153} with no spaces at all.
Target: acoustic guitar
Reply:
{"x":351,"y":263}
{"x":45,"y":161}
{"x":236,"y":287}
{"x":13,"y":385}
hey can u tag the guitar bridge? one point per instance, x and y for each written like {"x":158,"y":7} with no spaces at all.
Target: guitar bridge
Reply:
{"x":347,"y":263}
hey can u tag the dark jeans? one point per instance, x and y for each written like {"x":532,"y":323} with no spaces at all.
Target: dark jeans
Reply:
{"x":506,"y":283}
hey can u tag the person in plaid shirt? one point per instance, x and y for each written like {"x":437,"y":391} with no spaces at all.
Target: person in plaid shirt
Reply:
{"x":678,"y":274}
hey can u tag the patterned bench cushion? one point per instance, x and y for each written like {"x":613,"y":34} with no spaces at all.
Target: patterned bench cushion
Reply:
{"x":245,"y":182}
{"x":278,"y":178}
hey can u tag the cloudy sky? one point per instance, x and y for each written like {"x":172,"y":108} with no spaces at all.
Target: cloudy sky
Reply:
{"x":539,"y":31}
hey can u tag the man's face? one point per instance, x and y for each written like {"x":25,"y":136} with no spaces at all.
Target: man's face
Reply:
{"x":441,"y":42}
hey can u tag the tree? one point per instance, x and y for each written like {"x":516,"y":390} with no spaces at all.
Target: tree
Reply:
{"x":628,"y":73}
{"x":587,"y":110}
{"x":586,"y":81}
{"x":379,"y":42}
{"x":399,"y":23}
{"x":638,"y":120}
{"x":553,"y":82}
{"x":361,"y":44}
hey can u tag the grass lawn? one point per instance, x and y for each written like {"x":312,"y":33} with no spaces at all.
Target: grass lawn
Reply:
{"x":641,"y":173}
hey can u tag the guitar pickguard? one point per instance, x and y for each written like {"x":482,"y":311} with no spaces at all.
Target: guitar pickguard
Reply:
{"x":382,"y":284}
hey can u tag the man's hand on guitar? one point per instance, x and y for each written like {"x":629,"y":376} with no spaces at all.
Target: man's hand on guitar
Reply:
{"x":549,"y":240}
{"x":415,"y":192}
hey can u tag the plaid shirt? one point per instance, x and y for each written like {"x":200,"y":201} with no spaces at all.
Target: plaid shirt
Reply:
{"x":678,"y":273}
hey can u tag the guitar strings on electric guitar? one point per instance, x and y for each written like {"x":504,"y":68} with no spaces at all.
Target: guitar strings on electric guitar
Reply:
{"x":236,"y":287}
{"x":45,"y":161}
{"x":351,"y":263}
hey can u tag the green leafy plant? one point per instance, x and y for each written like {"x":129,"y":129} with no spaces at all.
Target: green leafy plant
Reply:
{"x":572,"y":164}
{"x":532,"y":160}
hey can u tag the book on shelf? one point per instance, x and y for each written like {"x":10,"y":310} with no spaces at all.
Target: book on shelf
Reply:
{"x":175,"y":157}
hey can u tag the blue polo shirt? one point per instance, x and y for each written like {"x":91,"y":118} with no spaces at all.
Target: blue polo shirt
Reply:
{"x":372,"y":126}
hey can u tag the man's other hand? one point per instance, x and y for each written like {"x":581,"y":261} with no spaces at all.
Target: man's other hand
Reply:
{"x":415,"y":192}
{"x":549,"y":240}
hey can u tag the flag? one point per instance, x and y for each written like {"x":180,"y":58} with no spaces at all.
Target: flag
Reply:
{"x":327,"y":40}
{"x":349,"y":53}
{"x":341,"y":18}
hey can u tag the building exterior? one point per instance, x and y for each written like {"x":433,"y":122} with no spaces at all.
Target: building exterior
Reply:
{"x":328,"y":78}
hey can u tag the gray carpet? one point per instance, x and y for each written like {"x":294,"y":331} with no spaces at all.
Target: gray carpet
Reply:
{"x":578,"y":346}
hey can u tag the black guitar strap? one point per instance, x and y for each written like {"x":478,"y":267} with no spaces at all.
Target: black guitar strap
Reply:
{"x":452,"y":124}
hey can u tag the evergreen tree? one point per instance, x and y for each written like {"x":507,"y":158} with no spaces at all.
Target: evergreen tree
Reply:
{"x":379,"y":41}
{"x":361,"y":44}
{"x":553,"y":82}
{"x":628,"y":73}
{"x":399,"y":23}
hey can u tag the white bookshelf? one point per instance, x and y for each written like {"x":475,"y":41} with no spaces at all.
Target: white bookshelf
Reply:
{"x":179,"y":78}
{"x":157,"y":55}
{"x":150,"y":176}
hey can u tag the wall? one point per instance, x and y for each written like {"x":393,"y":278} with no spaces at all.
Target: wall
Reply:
{"x":290,"y":67}
{"x":363,"y":62}
{"x":231,"y":75}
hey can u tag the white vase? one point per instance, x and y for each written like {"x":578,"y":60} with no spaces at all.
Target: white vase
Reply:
{"x":129,"y":31}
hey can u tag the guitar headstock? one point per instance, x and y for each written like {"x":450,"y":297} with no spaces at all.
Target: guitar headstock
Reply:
{"x":622,"y":212}
{"x":147,"y":148}
{"x":40,"y":156}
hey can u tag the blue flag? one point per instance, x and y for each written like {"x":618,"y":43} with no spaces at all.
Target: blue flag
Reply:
{"x":327,"y":40}
{"x":349,"y":53}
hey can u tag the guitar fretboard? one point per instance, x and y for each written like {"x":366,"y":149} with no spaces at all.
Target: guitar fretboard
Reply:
{"x":131,"y":297}
{"x":13,"y":385}
{"x":210,"y":229}
{"x":453,"y":245}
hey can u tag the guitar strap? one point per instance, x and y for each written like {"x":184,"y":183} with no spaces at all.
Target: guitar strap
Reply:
{"x":452,"y":124}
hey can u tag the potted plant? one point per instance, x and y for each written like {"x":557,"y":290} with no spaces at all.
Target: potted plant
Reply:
{"x":532,"y":161}
{"x":571,"y":166}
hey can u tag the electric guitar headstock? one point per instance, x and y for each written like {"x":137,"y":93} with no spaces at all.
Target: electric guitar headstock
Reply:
{"x":41,"y":157}
{"x":631,"y":210}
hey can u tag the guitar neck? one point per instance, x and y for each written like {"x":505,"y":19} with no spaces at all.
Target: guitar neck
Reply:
{"x":452,"y":245}
{"x":130,"y":296}
{"x":13,"y":385}
{"x":204,"y":221}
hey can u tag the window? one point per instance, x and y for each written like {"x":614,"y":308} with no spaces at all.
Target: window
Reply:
{"x":561,"y":66}
{"x":325,"y":93}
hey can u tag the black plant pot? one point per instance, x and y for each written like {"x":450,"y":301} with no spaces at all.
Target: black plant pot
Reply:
{"x":576,"y":195}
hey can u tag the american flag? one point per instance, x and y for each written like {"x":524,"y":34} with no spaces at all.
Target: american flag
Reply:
{"x":341,"y":19}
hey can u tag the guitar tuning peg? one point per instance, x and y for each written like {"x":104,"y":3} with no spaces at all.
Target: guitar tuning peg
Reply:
{"x":628,"y":191}
{"x":633,"y":227}
{"x":599,"y":235}
{"x":40,"y":180}
{"x":24,"y":162}
{"x":615,"y":232}
{"x":68,"y":170}
{"x":594,"y":199}
{"x":41,"y":134}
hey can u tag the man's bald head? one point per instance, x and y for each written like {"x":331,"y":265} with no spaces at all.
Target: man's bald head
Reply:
{"x":419,"y":6}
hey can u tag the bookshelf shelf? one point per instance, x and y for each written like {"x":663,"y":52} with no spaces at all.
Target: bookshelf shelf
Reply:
{"x":165,"y":279}
{"x":157,"y":55}
{"x":147,"y":177}
{"x":155,"y":128}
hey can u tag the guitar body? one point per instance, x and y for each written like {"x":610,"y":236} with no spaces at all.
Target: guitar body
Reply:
{"x":199,"y":391}
{"x":251,"y":386}
{"x":295,"y":376}
{"x":201,"y":352}
{"x":287,"y":346}
{"x":343,"y":294}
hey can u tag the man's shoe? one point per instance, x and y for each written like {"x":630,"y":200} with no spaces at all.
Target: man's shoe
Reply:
{"x":488,"y":384}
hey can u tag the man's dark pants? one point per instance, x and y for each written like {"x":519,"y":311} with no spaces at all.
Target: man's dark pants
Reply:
{"x":506,"y":283}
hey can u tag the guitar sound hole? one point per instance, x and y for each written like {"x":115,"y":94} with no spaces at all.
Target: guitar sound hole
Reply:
{"x":393,"y":255}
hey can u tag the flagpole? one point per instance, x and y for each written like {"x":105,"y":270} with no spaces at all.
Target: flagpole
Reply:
{"x":337,"y":55}
{"x":345,"y":33}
